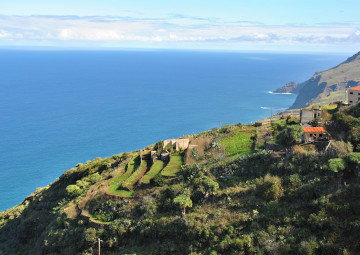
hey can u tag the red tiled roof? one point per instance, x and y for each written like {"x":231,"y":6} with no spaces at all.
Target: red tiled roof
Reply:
{"x":355,"y":88}
{"x":314,"y":130}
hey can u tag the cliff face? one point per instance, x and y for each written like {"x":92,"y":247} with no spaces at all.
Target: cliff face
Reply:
{"x":329,"y":85}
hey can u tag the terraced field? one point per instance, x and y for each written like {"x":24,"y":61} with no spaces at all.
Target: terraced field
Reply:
{"x":123,"y":175}
{"x":136,"y":176}
{"x":173,"y":167}
{"x":154,"y":170}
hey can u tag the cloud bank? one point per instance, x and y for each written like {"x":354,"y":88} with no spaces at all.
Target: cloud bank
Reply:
{"x":173,"y":30}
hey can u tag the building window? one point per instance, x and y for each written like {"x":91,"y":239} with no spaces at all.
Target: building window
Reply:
{"x":351,"y":93}
{"x":350,"y":102}
{"x":358,"y":93}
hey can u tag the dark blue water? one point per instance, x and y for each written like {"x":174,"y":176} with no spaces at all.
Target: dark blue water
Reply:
{"x":58,"y":108}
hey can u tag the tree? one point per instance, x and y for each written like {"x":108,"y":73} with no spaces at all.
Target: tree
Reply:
{"x":73,"y":190}
{"x":183,"y":201}
{"x":339,"y":149}
{"x":289,"y":136}
{"x":192,"y":173}
{"x":269,"y":187}
{"x":337,"y":164}
{"x":353,"y":161}
{"x":314,"y":122}
{"x":158,"y":180}
{"x":354,"y":158}
{"x":94,"y":178}
{"x":210,"y":185}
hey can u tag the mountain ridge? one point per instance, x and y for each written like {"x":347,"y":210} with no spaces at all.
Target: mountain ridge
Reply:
{"x":328,"y":85}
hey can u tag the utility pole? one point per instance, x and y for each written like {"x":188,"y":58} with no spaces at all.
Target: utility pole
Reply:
{"x":99,"y":245}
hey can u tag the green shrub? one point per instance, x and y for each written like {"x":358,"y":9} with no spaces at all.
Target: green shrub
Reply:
{"x":73,"y":190}
{"x":94,"y":178}
{"x":81,"y":184}
{"x":339,"y":149}
{"x":354,"y":158}
{"x":269,"y":188}
{"x":210,"y":185}
{"x":290,"y":136}
{"x":158,"y":180}
{"x":90,"y":236}
{"x":191,"y":172}
{"x":336,"y":164}
{"x":159,"y":147}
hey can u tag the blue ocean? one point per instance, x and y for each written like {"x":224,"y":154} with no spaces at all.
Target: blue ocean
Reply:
{"x":59,"y":108}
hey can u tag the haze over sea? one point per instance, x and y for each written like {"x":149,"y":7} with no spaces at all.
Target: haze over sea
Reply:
{"x":59,"y":108}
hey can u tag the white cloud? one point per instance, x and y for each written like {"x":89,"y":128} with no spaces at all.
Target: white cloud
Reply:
{"x":175,"y":29}
{"x":5,"y":34}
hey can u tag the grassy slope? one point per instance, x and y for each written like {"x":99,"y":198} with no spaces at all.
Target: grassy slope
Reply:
{"x":154,"y":170}
{"x":238,"y":142}
{"x":137,"y":175}
{"x":173,"y":167}
{"x":119,"y":180}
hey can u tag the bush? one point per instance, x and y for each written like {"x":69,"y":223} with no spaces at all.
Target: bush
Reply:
{"x":290,"y":136}
{"x":158,"y":180}
{"x":73,"y":190}
{"x":191,"y":172}
{"x":90,"y":236}
{"x":94,"y":178}
{"x":269,"y":188}
{"x":336,"y":164}
{"x":210,"y":185}
{"x":354,"y":158}
{"x":159,"y":147}
{"x":339,"y":149}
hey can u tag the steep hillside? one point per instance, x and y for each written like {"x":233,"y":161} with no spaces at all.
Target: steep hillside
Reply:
{"x":329,"y":85}
{"x":226,"y":196}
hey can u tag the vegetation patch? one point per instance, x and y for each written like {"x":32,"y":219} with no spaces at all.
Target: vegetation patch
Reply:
{"x":119,"y":180}
{"x":173,"y":167}
{"x":130,"y":182}
{"x":239,"y":142}
{"x":154,"y":170}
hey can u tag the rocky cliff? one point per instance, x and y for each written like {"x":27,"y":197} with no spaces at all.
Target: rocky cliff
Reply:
{"x":291,"y":87}
{"x":329,"y":85}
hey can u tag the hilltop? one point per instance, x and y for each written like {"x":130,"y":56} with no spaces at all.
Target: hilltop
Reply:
{"x":226,"y":194}
{"x":327,"y":86}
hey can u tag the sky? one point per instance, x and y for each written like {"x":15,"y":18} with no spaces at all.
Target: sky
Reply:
{"x":256,"y":25}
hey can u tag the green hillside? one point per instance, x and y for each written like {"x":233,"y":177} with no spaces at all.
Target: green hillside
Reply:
{"x":329,"y":85}
{"x":227,"y":195}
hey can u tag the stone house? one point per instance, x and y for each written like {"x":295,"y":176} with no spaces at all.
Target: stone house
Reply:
{"x":307,"y":115}
{"x":178,"y":144}
{"x":353,"y":95}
